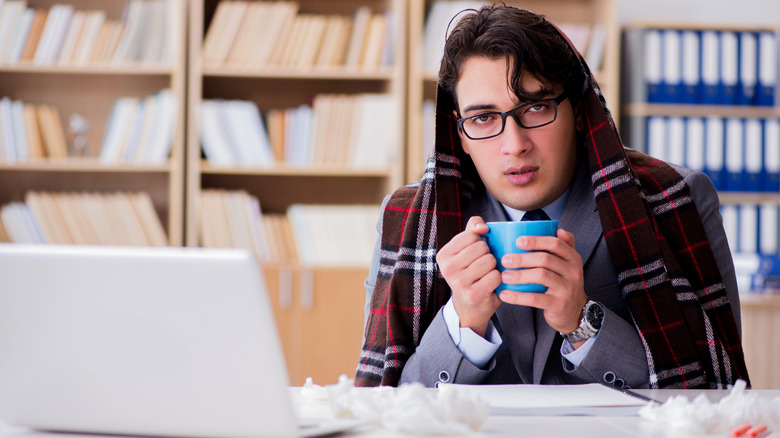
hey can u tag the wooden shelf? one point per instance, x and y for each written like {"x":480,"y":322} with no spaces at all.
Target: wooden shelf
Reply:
{"x":122,"y":70}
{"x":286,"y":170}
{"x":293,"y":74}
{"x":690,"y":110}
{"x":82,"y":165}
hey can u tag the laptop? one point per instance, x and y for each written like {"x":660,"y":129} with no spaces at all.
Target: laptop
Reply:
{"x":176,"y":342}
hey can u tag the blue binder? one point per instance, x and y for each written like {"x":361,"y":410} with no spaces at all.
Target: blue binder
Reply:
{"x":729,"y":68}
{"x":771,"y":155}
{"x":691,"y":67}
{"x":767,"y":68}
{"x":653,"y":65}
{"x":748,"y":68}
{"x":754,"y":156}
{"x":710,"y":67}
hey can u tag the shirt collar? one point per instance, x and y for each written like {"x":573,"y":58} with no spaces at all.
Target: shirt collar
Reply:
{"x":554,"y":210}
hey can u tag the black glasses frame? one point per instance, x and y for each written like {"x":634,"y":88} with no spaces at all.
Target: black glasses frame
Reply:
{"x":513,"y":113}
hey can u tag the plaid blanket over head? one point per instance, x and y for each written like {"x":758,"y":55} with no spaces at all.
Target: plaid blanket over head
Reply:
{"x":666,"y":268}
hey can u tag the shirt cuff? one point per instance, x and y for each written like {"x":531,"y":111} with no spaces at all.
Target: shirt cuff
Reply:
{"x":577,"y":356}
{"x":475,"y":348}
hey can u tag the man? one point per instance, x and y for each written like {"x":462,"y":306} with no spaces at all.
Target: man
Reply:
{"x":641,"y":287}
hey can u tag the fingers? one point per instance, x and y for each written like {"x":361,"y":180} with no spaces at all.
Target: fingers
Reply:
{"x":562,"y":245}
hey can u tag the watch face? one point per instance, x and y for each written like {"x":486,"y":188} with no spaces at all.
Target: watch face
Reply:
{"x":595,"y":315}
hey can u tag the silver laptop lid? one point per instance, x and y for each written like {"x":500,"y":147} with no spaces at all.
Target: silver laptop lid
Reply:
{"x":152,"y":341}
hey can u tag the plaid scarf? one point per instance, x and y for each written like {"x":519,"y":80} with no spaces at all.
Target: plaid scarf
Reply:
{"x":666,"y":269}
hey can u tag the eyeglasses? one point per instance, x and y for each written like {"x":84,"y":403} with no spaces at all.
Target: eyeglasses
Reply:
{"x":528,"y":115}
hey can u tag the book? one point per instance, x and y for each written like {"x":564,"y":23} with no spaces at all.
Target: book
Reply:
{"x":52,"y":131}
{"x":36,"y":30}
{"x":283,"y":29}
{"x":150,"y":222}
{"x":76,"y":26}
{"x":10,"y":14}
{"x":88,"y":39}
{"x":248,"y":35}
{"x":376,"y":33}
{"x":34,"y":140}
{"x":19,"y":37}
{"x":129,"y":44}
{"x":357,"y":37}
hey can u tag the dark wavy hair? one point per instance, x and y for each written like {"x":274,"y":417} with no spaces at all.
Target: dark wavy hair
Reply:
{"x":527,"y":39}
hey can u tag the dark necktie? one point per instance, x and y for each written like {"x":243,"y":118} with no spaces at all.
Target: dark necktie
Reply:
{"x":536,"y":215}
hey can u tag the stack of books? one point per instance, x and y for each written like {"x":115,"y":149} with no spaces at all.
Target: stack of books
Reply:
{"x":125,"y":219}
{"x":30,"y":132}
{"x":355,"y":131}
{"x":274,"y":34}
{"x":62,"y":35}
{"x":314,"y":235}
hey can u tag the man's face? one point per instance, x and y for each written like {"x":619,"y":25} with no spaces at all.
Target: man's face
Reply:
{"x":523,"y":168}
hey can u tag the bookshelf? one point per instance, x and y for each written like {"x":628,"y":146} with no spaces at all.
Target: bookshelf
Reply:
{"x":319,"y":310}
{"x":718,"y":114}
{"x":569,"y":14}
{"x":89,"y":87}
{"x":280,"y":86}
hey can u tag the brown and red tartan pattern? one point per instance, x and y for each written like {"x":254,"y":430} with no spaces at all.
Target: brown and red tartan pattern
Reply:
{"x":656,"y":239}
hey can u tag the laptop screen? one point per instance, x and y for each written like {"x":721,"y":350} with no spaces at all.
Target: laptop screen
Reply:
{"x":152,"y":341}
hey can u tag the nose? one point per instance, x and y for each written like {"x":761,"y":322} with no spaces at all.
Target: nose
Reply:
{"x":515,"y":139}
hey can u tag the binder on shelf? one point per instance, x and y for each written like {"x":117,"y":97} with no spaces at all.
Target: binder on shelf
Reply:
{"x":730,"y":215}
{"x":729,"y":67}
{"x":691,"y":66}
{"x":754,"y":157}
{"x":767,"y":68}
{"x":676,"y":136}
{"x":694,"y":141}
{"x":710,"y":67}
{"x":735,"y":163}
{"x":672,"y":67}
{"x":748,"y":228}
{"x":652,"y":65}
{"x":656,"y":137}
{"x":748,"y":68}
{"x":768,"y":236}
{"x":714,"y":152}
{"x":772,"y":155}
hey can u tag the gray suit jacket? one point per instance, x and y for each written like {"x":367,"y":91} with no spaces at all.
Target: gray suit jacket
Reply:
{"x":530,"y":352}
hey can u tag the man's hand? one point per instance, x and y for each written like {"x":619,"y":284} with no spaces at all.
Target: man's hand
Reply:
{"x":556,"y":264}
{"x":470,"y":270}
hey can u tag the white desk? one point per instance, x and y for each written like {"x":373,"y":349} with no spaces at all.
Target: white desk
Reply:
{"x":527,"y":426}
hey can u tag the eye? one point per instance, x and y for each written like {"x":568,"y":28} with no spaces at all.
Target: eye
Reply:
{"x":538,"y":107}
{"x":483,"y":119}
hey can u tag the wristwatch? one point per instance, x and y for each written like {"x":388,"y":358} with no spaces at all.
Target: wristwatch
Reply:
{"x":590,"y":323}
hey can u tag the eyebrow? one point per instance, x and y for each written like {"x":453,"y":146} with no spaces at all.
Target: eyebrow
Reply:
{"x":529,"y":97}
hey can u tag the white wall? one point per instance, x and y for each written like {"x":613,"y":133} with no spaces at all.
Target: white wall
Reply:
{"x":749,"y":12}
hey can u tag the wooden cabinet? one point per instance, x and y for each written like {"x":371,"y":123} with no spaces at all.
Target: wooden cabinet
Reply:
{"x":592,"y":14}
{"x":319,"y":313}
{"x":90,"y":90}
{"x":760,"y":323}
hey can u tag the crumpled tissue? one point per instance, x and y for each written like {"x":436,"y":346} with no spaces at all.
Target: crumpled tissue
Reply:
{"x":702,"y":416}
{"x":410,"y":408}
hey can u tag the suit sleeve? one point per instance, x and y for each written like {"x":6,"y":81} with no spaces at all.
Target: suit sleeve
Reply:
{"x":708,"y":205}
{"x":438,"y":359}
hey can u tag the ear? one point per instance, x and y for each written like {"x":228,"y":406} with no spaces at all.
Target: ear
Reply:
{"x":579,"y":117}
{"x":461,"y":136}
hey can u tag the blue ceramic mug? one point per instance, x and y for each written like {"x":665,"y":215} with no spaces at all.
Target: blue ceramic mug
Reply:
{"x":502,"y":239}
